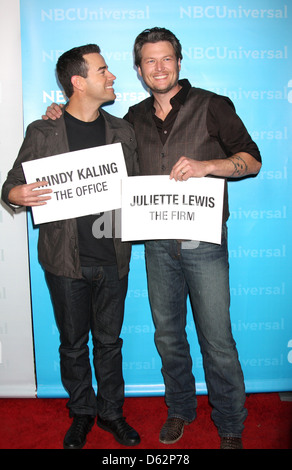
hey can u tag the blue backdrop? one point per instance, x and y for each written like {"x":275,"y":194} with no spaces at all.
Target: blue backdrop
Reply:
{"x":239,"y":49}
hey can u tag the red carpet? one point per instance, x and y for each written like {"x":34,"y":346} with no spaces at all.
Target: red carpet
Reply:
{"x":42,"y":424}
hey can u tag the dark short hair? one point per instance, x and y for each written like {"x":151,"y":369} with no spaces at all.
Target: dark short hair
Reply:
{"x":155,"y":35}
{"x":73,"y":63}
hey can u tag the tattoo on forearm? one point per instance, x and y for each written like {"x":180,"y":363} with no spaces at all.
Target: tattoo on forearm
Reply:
{"x":240,"y":166}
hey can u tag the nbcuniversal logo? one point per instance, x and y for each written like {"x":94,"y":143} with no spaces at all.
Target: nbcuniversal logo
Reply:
{"x":100,"y":14}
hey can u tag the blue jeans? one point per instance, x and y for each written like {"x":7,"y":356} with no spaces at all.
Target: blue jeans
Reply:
{"x":203,"y":274}
{"x":94,"y":303}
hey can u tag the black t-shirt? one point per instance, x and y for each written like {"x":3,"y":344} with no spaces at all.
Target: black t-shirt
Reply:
{"x":93,"y":249}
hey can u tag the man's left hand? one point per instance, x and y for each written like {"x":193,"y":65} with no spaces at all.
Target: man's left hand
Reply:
{"x":187,"y":168}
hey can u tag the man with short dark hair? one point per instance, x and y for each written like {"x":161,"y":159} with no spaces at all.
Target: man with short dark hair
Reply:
{"x":87,"y":276}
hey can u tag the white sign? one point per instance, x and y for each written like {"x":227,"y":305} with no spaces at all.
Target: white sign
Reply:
{"x":83,"y":182}
{"x":157,"y":208}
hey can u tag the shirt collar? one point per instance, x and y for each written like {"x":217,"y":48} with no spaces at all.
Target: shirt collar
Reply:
{"x":181,"y":96}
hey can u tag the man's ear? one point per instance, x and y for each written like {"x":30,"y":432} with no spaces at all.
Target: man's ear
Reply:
{"x":139,"y":71}
{"x":77,"y":82}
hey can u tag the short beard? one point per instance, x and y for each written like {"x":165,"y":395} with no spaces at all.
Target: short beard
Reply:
{"x":164,"y":91}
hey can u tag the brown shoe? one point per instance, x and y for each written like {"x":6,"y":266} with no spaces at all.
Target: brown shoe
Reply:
{"x":172,"y":430}
{"x":231,"y":443}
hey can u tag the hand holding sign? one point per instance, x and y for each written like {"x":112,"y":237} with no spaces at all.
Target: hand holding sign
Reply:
{"x":30,"y":194}
{"x":186,"y":168}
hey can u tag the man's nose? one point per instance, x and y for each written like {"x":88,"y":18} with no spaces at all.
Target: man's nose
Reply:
{"x":159,"y":65}
{"x":111,"y":75}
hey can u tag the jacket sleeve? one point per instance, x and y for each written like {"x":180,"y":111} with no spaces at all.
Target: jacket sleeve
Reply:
{"x":15,"y":176}
{"x":42,"y":139}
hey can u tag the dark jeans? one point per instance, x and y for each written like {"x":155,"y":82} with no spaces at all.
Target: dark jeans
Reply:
{"x":203,"y":274}
{"x":94,"y":303}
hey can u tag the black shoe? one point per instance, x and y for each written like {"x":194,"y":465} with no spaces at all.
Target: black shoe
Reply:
{"x":122,"y":431}
{"x":172,"y":430}
{"x":76,"y":435}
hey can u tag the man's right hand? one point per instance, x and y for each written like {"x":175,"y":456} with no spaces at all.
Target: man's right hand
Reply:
{"x":29,"y":195}
{"x":54,"y":111}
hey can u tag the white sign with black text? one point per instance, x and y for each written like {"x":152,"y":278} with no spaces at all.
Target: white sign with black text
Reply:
{"x":156,"y":208}
{"x":83,"y":182}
